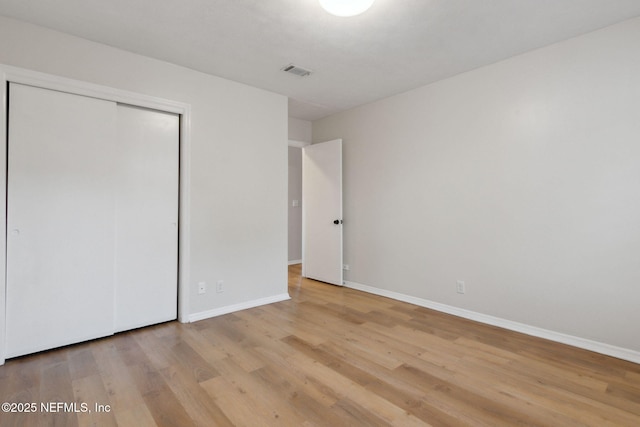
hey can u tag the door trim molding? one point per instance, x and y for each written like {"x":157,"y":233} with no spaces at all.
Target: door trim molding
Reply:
{"x":47,"y":81}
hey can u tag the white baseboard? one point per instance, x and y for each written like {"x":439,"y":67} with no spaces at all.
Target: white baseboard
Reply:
{"x":194,"y":317}
{"x":598,"y":347}
{"x":295,"y":261}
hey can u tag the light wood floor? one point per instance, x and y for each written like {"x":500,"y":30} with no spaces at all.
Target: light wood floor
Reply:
{"x":329,"y":357}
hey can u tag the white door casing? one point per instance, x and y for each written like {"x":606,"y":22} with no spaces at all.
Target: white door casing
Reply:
{"x":322,"y":211}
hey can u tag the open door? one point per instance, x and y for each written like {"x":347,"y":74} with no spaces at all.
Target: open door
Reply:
{"x":322,"y":212}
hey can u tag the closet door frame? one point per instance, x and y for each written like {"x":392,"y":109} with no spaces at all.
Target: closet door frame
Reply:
{"x":9,"y":74}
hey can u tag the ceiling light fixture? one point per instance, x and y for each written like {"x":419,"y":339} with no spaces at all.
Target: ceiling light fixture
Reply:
{"x":346,"y":7}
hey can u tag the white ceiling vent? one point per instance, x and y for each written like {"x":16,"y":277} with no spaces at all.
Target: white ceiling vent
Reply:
{"x":298,"y":71}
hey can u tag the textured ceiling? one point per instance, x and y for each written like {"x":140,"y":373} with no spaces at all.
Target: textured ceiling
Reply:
{"x":395,"y":46}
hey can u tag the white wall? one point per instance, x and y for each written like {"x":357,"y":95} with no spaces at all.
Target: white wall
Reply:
{"x":521,"y":178}
{"x":299,"y":130}
{"x":238,"y":157}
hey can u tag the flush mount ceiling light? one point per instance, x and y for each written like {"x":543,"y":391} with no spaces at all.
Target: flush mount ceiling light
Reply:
{"x":346,"y":7}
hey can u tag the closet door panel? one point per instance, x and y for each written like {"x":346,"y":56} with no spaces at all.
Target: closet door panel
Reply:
{"x":146,"y":217}
{"x":60,"y":219}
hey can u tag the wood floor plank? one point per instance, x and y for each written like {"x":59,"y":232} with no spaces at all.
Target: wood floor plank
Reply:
{"x":90,"y":391}
{"x":196,"y":402}
{"x":20,"y":383}
{"x":310,"y":410}
{"x":330,"y":356}
{"x":123,"y":394}
{"x":354,"y":415}
{"x":384,"y":383}
{"x":139,"y":415}
{"x":241,"y":407}
{"x":81,"y":362}
{"x":158,"y":397}
{"x":350,"y":391}
{"x":301,"y":326}
{"x":324,"y":396}
{"x":157,"y":351}
{"x":243,"y":356}
{"x":206,"y":348}
{"x":52,"y":394}
{"x":547,"y":397}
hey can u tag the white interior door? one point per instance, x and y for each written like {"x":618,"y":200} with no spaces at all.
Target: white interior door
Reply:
{"x":60,"y":218}
{"x":146,"y":217}
{"x":322,"y":211}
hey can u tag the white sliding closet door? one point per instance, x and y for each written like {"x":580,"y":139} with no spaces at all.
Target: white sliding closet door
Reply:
{"x":92,"y":218}
{"x":60,"y":219}
{"x":146,"y":217}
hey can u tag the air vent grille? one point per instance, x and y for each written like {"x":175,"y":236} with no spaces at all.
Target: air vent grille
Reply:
{"x":298,"y":71}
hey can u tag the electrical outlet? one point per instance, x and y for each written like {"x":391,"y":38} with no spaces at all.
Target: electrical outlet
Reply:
{"x":220,"y":286}
{"x":460,"y":287}
{"x":346,"y":267}
{"x":202,"y":287}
